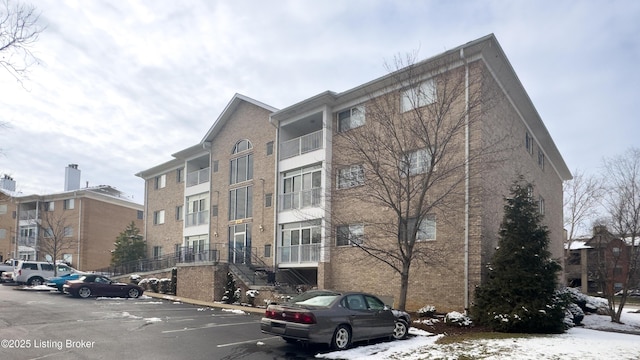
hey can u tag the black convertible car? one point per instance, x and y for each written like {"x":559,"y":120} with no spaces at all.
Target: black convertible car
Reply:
{"x":98,"y":285}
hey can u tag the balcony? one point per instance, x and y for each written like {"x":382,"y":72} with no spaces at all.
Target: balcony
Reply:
{"x":198,"y":177}
{"x":297,"y":254}
{"x":301,"y":199}
{"x":301,"y":145}
{"x":28,"y":214}
{"x":197,"y":218}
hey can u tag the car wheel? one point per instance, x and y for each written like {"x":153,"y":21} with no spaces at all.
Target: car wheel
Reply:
{"x":133,"y":293}
{"x":36,"y":281}
{"x":84,"y":292}
{"x":400,"y":330}
{"x":341,"y":338}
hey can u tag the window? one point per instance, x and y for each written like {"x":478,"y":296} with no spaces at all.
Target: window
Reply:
{"x":48,"y":232}
{"x":350,"y":176}
{"x":416,"y":162}
{"x":419,"y":96}
{"x":301,"y":188}
{"x":179,"y":212}
{"x":69,"y":204}
{"x":427,"y":229}
{"x":157,"y":252}
{"x":68,"y":231}
{"x":158,"y":217}
{"x":68,"y":258}
{"x":350,"y":119}
{"x":3,"y":209}
{"x":3,"y":233}
{"x":215,"y":166}
{"x":270,"y":148}
{"x":241,"y":203}
{"x":49,"y":206}
{"x":179,"y":175}
{"x":197,"y":212}
{"x":349,"y":235}
{"x":541,"y":205}
{"x":268,"y":200}
{"x":140,"y":214}
{"x":241,"y":169}
{"x":541,"y":159}
{"x":300,"y":242}
{"x":160,"y":181}
{"x":242,"y":145}
{"x":267,"y":250}
{"x":44,"y":267}
{"x":528,"y":142}
{"x":616,"y":251}
{"x":214,"y":210}
{"x":530,"y":192}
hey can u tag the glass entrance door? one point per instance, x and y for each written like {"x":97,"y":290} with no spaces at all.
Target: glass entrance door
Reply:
{"x":240,"y":244}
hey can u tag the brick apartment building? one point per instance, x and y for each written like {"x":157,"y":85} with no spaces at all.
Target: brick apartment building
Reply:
{"x":91,"y":217}
{"x":286,"y":188}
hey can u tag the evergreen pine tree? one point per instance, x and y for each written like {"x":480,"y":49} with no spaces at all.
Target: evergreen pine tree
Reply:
{"x":129,"y":246}
{"x":230,"y":290}
{"x":519,"y":294}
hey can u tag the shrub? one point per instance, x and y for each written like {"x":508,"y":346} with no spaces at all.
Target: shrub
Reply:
{"x":164,"y":285}
{"x":456,"y":318}
{"x":427,"y":311}
{"x":251,"y":296}
{"x":231,"y":290}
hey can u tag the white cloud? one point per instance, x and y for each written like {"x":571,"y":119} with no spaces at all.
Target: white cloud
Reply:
{"x":125,"y":84}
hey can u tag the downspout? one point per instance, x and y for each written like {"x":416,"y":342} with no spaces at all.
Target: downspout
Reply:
{"x":276,"y":197}
{"x":79,"y":232}
{"x":466,"y":181}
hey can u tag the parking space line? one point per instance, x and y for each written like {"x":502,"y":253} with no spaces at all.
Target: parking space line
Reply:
{"x":208,"y":326}
{"x":248,"y":341}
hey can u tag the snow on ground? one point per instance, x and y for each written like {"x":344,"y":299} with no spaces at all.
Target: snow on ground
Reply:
{"x":583,"y":343}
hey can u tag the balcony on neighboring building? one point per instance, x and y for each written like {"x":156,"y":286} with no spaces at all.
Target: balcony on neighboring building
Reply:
{"x":28,"y":214}
{"x":299,"y":254}
{"x":301,"y":145}
{"x":197,"y":218}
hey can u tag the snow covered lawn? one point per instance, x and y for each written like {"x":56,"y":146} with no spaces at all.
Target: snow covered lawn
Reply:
{"x":582,"y":343}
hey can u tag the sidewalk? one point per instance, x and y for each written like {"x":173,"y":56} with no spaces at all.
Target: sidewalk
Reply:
{"x":248,"y":309}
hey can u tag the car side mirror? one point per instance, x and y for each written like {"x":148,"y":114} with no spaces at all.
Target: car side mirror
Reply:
{"x":386,"y":307}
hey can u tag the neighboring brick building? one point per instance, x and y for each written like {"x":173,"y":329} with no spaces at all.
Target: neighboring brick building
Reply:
{"x":300,"y":188}
{"x":89,"y":219}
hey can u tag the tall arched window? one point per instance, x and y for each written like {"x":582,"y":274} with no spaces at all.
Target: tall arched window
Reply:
{"x":241,"y":166}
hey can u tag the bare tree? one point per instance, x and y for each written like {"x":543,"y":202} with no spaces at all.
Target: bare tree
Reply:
{"x":622,"y":200}
{"x":19,"y":30}
{"x":410,"y":161}
{"x":55,"y":235}
{"x":582,"y":198}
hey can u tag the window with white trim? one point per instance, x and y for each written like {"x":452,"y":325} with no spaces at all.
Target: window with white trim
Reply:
{"x":350,"y":176}
{"x":419,"y":96}
{"x":416,"y":162}
{"x":541,"y":159}
{"x":541,"y":205}
{"x":528,"y":142}
{"x":351,"y":118}
{"x":349,"y":235}
{"x":426,"y":230}
{"x":68,"y":231}
{"x":158,"y":217}
{"x":160,"y":181}
{"x":69,"y":204}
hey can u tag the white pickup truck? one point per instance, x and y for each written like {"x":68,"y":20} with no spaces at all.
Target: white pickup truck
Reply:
{"x":7,"y":267}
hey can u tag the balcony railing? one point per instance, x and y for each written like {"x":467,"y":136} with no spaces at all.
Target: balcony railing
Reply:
{"x":28,"y":215}
{"x":197,"y":218}
{"x":301,"y":145}
{"x":299,"y":253}
{"x":301,"y":199}
{"x":198,"y":177}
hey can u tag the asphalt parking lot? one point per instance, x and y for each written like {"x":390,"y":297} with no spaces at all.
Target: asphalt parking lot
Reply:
{"x":49,"y":325}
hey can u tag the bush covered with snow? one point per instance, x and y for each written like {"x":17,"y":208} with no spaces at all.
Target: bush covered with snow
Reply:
{"x":251,"y":296}
{"x":426,"y":311}
{"x":456,"y":318}
{"x":164,"y":285}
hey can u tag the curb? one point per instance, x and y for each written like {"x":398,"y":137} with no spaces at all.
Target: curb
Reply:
{"x":212,"y":304}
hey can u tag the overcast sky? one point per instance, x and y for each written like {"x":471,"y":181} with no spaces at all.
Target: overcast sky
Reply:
{"x":124,"y":84}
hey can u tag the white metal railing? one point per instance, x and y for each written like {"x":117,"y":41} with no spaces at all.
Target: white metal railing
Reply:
{"x":28,"y":214}
{"x":198,"y":177}
{"x":299,"y":253}
{"x":301,"y":199}
{"x":197,"y":218}
{"x":301,"y":145}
